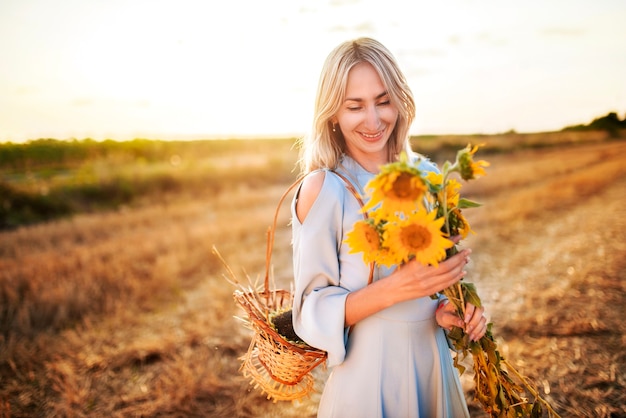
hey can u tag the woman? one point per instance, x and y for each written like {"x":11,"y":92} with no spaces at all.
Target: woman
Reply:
{"x":385,"y":341}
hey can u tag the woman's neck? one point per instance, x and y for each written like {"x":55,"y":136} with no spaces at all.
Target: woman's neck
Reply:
{"x":370,"y":162}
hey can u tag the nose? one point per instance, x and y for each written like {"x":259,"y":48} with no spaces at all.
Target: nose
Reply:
{"x":372,"y":119}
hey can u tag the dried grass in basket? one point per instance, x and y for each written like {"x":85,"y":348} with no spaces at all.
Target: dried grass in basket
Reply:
{"x":278,"y":367}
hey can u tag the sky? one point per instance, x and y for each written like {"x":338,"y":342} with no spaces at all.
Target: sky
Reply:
{"x":197,"y":69}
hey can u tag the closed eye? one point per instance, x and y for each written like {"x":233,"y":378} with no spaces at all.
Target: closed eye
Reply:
{"x":384,"y":96}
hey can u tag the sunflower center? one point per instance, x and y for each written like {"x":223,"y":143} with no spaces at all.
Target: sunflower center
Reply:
{"x":403,"y":187}
{"x":372,"y":238}
{"x":416,"y":237}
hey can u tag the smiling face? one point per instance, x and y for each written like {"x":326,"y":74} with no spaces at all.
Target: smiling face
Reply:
{"x":366,"y":117}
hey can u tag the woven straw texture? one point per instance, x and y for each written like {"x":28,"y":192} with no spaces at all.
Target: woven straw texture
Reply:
{"x":277,"y":367}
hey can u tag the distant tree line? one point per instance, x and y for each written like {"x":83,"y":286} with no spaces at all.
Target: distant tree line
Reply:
{"x":55,"y":153}
{"x":63,"y":154}
{"x":47,"y":179}
{"x":610,"y":123}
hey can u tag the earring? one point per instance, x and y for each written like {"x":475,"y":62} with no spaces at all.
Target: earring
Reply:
{"x":334,"y":128}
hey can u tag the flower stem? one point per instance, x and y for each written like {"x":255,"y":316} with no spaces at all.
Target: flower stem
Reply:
{"x":529,"y":388}
{"x":444,"y":192}
{"x":460,"y":290}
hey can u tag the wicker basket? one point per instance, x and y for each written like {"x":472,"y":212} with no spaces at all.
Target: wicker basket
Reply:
{"x":278,"y":367}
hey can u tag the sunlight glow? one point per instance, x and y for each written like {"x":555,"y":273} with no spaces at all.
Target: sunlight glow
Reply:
{"x":193,"y":69}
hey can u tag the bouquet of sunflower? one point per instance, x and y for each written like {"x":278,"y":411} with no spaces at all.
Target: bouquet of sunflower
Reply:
{"x":412,"y":215}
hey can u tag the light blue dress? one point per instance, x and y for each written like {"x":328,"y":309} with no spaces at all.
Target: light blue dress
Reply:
{"x":396,"y":363}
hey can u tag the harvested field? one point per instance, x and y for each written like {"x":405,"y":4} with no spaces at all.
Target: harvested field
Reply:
{"x":126,"y":313}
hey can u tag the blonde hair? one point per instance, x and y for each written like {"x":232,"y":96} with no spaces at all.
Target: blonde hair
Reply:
{"x":323,"y":148}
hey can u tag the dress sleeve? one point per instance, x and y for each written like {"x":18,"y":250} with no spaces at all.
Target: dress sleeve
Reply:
{"x":319,"y":300}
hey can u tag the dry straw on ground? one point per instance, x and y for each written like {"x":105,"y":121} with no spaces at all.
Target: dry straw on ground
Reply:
{"x":126,"y":313}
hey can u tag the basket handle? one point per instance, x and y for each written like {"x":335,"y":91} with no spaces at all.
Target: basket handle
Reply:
{"x":271,"y":230}
{"x":356,"y":195}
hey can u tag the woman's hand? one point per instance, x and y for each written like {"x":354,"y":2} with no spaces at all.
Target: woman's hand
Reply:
{"x":414,"y":280}
{"x":411,"y":281}
{"x":474,"y":323}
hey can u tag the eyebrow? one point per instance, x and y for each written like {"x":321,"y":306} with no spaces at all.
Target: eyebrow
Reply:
{"x":381,"y":95}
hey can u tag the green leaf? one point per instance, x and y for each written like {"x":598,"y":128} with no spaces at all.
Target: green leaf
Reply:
{"x":466,"y":203}
{"x":536,"y":411}
{"x":458,"y":365}
{"x":455,"y":334}
{"x":460,"y":340}
{"x":471,"y":295}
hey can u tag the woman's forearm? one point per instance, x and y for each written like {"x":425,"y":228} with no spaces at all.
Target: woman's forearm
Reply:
{"x":410,"y":281}
{"x":367,"y":301}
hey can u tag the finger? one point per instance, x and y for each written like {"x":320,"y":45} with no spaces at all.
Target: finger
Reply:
{"x":456,"y":261}
{"x":449,"y":277}
{"x":469,"y":312}
{"x":449,"y":280}
{"x":480,"y":331}
{"x":478,"y":314}
{"x":476,"y":324}
{"x":453,"y":320}
{"x":452,"y":316}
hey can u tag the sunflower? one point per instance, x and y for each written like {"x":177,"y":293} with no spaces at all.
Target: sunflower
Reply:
{"x":453,"y":188}
{"x":458,"y":224}
{"x":417,"y":236}
{"x":399,"y":187}
{"x":468,"y":168}
{"x":386,"y":257}
{"x":434,"y":179}
{"x":365,"y":238}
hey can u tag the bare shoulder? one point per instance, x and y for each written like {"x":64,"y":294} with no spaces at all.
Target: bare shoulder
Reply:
{"x":311,"y":187}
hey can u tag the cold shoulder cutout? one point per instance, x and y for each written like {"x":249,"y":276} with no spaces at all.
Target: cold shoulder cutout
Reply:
{"x":308,"y":192}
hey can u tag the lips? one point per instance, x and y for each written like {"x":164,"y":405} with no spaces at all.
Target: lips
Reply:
{"x":372,"y":136}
